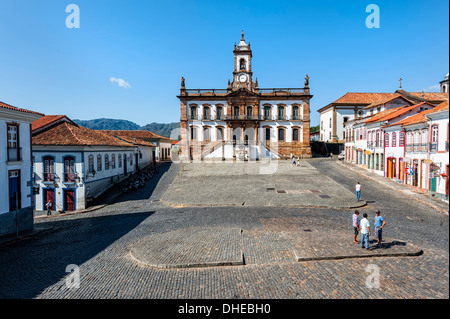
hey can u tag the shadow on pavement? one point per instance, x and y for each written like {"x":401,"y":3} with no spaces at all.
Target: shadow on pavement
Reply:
{"x":146,"y":191}
{"x":30,"y":266}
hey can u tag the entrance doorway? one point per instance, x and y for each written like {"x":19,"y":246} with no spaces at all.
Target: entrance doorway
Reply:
{"x":49,"y":195}
{"x":14,"y":190}
{"x":69,"y":200}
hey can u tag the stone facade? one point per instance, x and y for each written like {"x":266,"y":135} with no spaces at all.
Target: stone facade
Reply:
{"x":243,"y":121}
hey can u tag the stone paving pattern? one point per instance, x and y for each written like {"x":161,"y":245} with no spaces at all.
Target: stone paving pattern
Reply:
{"x":100,"y":242}
{"x":243,"y":184}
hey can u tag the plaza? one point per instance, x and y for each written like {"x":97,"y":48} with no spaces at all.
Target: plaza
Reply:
{"x":140,"y":246}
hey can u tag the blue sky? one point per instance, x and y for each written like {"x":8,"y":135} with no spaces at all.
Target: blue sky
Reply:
{"x":49,"y":68}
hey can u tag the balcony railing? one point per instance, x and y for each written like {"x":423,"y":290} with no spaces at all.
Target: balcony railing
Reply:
{"x":70,"y":177}
{"x":49,"y":177}
{"x":14,"y":154}
{"x":433,"y":147}
{"x":245,"y":118}
{"x":222,"y":92}
{"x":282,"y":91}
{"x":206,"y":92}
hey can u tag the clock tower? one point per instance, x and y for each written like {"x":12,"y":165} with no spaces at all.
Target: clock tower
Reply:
{"x":242,"y":75}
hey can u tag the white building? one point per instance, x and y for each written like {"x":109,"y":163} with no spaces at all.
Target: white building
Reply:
{"x":243,"y":121}
{"x":16,"y":192}
{"x":353,"y":105}
{"x":439,"y":149}
{"x":73,"y":164}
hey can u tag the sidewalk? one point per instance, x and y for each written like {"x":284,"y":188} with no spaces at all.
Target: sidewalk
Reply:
{"x":417,"y":194}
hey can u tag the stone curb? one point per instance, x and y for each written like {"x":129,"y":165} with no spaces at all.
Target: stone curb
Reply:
{"x":401,"y":254}
{"x":174,"y":205}
{"x":190,"y":265}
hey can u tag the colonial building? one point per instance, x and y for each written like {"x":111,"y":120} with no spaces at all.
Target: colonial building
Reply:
{"x":16,"y":192}
{"x":163,"y":144}
{"x":244,"y":121}
{"x":73,"y":164}
{"x":353,"y":105}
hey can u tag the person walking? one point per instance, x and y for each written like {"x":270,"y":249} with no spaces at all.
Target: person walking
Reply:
{"x":356,"y":226}
{"x":358,"y":190}
{"x":293,"y":161}
{"x":379,"y":224}
{"x":365,"y":232}
{"x":331,"y":155}
{"x":49,"y":207}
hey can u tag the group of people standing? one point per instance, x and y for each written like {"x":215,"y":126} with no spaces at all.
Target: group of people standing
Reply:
{"x":363,"y":226}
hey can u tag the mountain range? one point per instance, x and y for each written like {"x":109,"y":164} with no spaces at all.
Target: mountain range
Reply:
{"x":163,"y":129}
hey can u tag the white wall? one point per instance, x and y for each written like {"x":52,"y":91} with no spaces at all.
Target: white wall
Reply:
{"x":24,"y":165}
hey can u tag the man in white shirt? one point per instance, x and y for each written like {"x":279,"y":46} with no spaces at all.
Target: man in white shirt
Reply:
{"x":358,"y":190}
{"x":365,"y":231}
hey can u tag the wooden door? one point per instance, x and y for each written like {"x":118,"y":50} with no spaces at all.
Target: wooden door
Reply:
{"x":49,"y":195}
{"x":14,"y":190}
{"x":69,"y":200}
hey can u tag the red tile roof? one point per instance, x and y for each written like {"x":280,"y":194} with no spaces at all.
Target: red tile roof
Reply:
{"x":397,"y":112}
{"x":7,"y":106}
{"x":387,"y":100}
{"x":66,"y":134}
{"x":364,"y":98}
{"x":143,"y":134}
{"x":47,"y":120}
{"x":421,"y":117}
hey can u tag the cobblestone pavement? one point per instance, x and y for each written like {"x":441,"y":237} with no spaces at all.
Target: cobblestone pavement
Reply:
{"x":100,"y":242}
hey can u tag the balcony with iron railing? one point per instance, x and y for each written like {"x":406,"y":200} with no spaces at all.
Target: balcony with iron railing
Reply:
{"x":261,"y":92}
{"x":245,"y":118}
{"x":14,"y":154}
{"x":433,"y":147}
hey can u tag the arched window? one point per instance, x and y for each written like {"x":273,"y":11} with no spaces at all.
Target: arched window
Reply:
{"x":281,"y":135}
{"x":386,"y":140}
{"x":220,"y":134}
{"x":267,"y":112}
{"x":295,"y":136}
{"x":219,"y":113}
{"x":402,"y":139}
{"x":91,"y":163}
{"x":193,"y":133}
{"x":193,"y":114}
{"x":69,"y":169}
{"x":206,"y":113}
{"x":120,"y":160}
{"x":394,"y":139}
{"x":113,"y":161}
{"x":281,"y":112}
{"x":236,"y":112}
{"x":434,"y":138}
{"x":242,"y":65}
{"x":267,"y":133}
{"x":99,"y":163}
{"x":131,"y":159}
{"x":49,"y":169}
{"x":249,"y":112}
{"x":106,"y":162}
{"x":206,"y":134}
{"x":295,"y":112}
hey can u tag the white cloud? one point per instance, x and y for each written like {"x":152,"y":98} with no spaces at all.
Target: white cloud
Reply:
{"x":432,"y":88}
{"x":120,"y":82}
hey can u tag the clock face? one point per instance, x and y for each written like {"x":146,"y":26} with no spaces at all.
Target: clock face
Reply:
{"x":242,"y":78}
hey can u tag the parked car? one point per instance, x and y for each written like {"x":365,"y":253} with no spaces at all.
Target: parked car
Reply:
{"x":341,"y":156}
